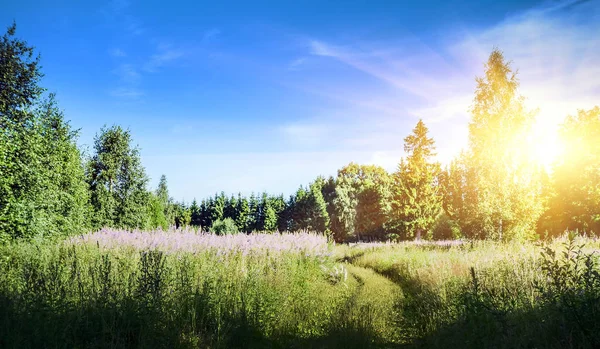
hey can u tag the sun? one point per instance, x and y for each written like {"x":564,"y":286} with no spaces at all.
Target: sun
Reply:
{"x":545,"y":145}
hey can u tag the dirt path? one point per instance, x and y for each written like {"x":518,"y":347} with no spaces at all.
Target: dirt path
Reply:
{"x":373,"y":304}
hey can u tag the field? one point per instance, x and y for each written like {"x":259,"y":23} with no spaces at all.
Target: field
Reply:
{"x":115,"y":289}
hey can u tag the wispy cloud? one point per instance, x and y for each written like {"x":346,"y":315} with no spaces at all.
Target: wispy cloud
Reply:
{"x":166,"y":55}
{"x":127,"y":92}
{"x":554,"y":48}
{"x":296,"y":63}
{"x":128,"y":74}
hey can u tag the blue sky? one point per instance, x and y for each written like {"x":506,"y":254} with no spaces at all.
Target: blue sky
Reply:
{"x":250,"y":96}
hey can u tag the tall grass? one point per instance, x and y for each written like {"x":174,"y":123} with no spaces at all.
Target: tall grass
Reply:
{"x":492,"y":295}
{"x":88,"y":294}
{"x":116,"y":289}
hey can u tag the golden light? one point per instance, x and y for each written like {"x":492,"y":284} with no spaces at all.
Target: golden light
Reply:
{"x":545,"y":145}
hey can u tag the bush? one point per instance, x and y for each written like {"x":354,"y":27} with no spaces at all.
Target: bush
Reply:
{"x":224,"y":226}
{"x":445,"y":228}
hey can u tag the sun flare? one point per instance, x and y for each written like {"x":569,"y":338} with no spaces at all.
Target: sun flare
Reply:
{"x":545,"y":145}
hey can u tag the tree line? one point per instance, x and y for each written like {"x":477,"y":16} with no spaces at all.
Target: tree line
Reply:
{"x":492,"y":190}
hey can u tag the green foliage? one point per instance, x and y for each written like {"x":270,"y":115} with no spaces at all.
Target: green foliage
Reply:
{"x":162,"y":193}
{"x":444,"y":228}
{"x":356,"y":201}
{"x":182,"y":215}
{"x":504,"y":187}
{"x":195,"y":214}
{"x":242,"y":213}
{"x":156,"y":212}
{"x":20,"y":74}
{"x":416,"y":199}
{"x":117,"y":181}
{"x":224,"y":227}
{"x":309,"y":209}
{"x":492,"y":295}
{"x":42,"y":192}
{"x":459,"y":195}
{"x":576,"y":197}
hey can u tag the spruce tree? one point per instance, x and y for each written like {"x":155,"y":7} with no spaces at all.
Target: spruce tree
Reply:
{"x":242,"y":213}
{"x":195,"y":214}
{"x":416,"y":199}
{"x":42,"y":191}
{"x":162,"y":193}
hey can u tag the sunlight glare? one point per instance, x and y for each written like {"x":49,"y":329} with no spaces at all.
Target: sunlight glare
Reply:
{"x":545,"y":144}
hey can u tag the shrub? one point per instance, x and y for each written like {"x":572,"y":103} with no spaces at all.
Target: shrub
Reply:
{"x":445,"y":228}
{"x":224,"y":226}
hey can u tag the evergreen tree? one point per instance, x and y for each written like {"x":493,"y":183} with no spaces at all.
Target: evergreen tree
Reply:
{"x":230,"y":210}
{"x":205,"y":221}
{"x":279,"y":207}
{"x":253,"y":214}
{"x":42,"y":188}
{"x":218,"y":207}
{"x":162,"y":193}
{"x":309,"y":209}
{"x":242,"y":213}
{"x":317,"y":208}
{"x":459,"y":192}
{"x":117,"y":181}
{"x":416,"y":200}
{"x":183,"y":215}
{"x":195,"y":214}
{"x":269,"y":214}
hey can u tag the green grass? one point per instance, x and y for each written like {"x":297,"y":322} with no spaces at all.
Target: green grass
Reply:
{"x":481,"y":294}
{"x":492,"y":295}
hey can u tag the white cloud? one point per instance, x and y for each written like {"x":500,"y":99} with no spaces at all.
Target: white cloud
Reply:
{"x":296,"y":63}
{"x":128,"y":74}
{"x":126,"y":92}
{"x":554,"y":48}
{"x":165,"y":56}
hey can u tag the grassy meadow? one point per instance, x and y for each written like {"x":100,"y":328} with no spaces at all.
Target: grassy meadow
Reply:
{"x":183,"y":289}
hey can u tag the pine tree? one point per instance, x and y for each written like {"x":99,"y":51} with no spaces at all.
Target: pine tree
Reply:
{"x":416,"y":199}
